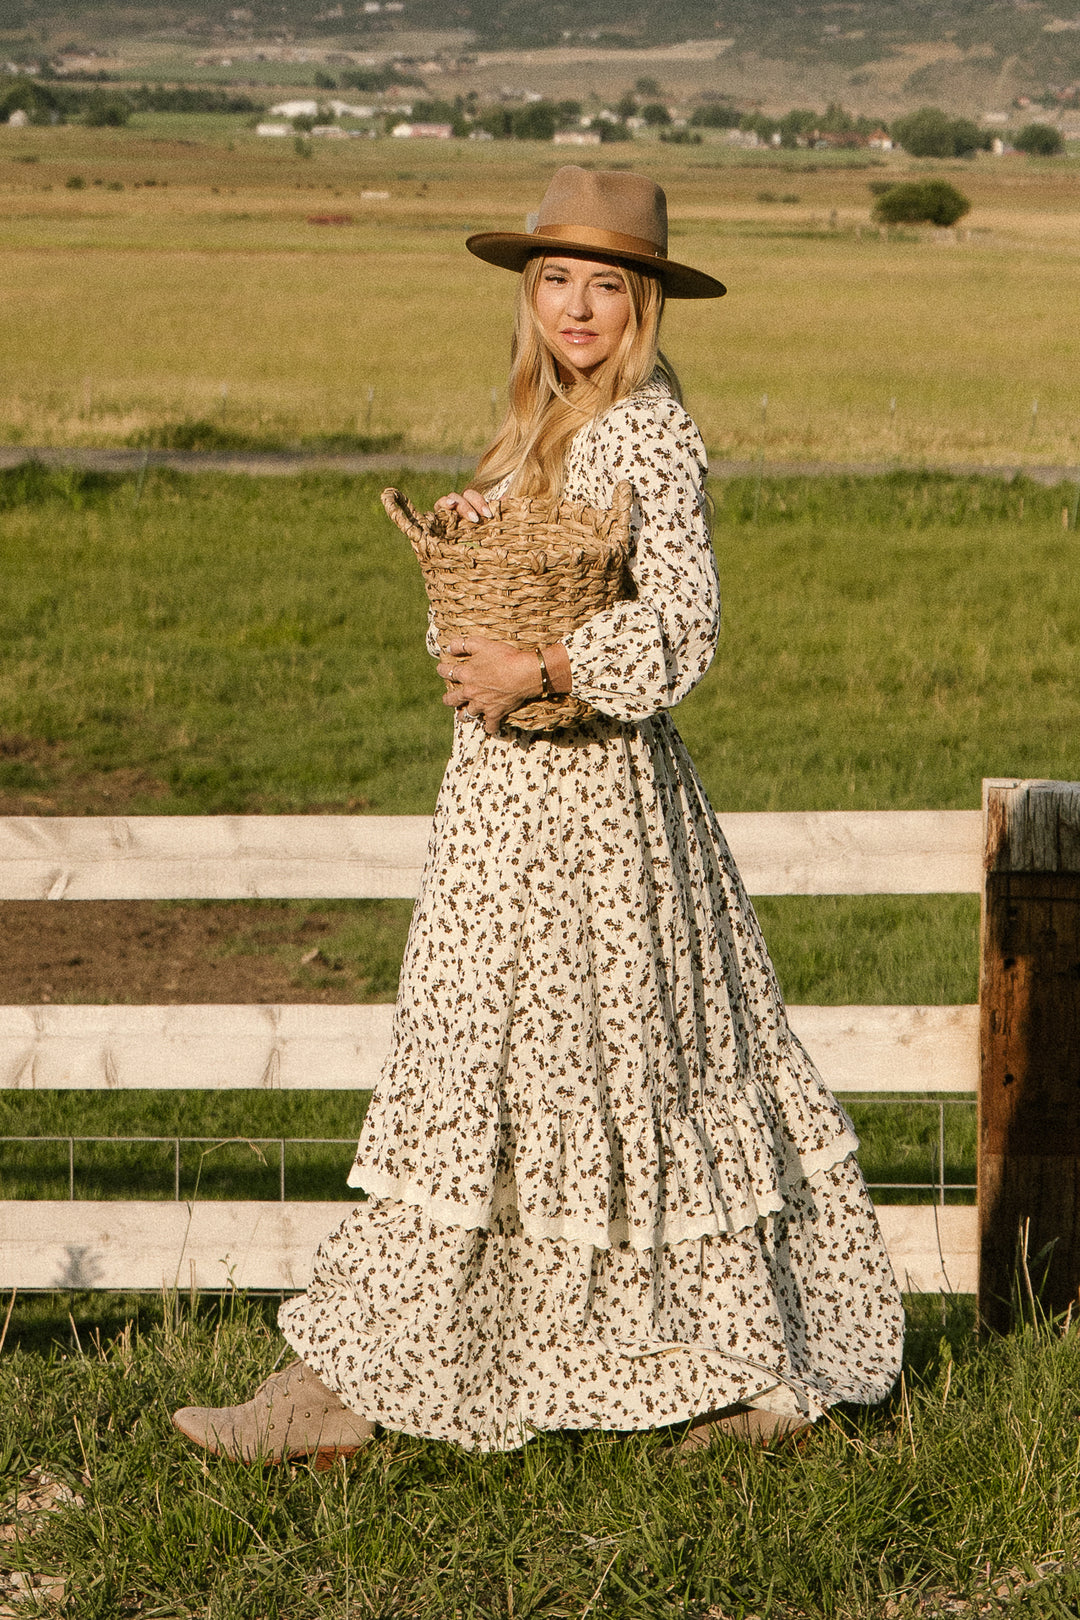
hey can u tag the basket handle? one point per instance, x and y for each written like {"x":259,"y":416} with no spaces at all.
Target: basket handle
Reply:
{"x":400,"y":510}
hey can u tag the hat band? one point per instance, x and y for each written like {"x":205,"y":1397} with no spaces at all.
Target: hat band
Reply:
{"x":612,"y":241}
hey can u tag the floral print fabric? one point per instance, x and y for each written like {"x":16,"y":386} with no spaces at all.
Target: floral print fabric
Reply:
{"x":605,"y":1185}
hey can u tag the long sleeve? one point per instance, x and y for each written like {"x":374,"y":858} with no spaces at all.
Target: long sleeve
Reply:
{"x":645,"y":655}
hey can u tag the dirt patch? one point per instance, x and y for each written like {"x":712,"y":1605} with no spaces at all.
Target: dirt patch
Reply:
{"x":147,"y":951}
{"x":22,"y":1593}
{"x":38,"y":778}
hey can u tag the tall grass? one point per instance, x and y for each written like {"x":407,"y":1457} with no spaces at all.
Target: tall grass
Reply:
{"x":967,"y":1481}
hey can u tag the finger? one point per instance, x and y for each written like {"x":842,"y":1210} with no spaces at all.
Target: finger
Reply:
{"x":478,"y":502}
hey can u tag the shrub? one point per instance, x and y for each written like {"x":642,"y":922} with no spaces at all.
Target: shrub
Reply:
{"x":1039,"y":140}
{"x":107,"y":112}
{"x":932,"y":133}
{"x":536,"y":122}
{"x":656,"y":114}
{"x":921,"y":202}
{"x":714,"y":115}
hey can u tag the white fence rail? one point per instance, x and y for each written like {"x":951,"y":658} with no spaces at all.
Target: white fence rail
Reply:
{"x":139,"y":1244}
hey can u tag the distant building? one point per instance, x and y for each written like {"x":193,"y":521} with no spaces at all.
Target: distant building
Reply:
{"x":347,"y":109}
{"x":18,"y":119}
{"x":881,"y":140}
{"x":273,"y":129}
{"x":295,"y":109}
{"x":576,"y":137}
{"x":423,"y":132}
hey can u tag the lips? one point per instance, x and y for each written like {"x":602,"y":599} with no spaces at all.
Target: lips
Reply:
{"x":577,"y":335}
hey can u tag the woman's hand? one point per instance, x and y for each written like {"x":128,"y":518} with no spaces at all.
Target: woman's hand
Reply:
{"x":471,"y":505}
{"x":489,"y":679}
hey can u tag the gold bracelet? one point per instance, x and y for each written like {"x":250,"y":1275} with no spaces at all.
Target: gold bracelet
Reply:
{"x":545,"y":678}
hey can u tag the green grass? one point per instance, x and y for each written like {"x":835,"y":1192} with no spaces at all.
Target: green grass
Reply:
{"x":238,"y":645}
{"x":256,"y":644}
{"x":966,"y":1480}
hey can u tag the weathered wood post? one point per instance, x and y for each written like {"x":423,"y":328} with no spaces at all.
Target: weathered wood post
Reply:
{"x":1029,"y":1082}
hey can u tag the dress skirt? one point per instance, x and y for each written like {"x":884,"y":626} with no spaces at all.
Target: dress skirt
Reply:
{"x":604,"y":1186}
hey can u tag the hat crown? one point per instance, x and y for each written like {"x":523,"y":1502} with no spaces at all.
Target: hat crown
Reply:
{"x":625,"y":204}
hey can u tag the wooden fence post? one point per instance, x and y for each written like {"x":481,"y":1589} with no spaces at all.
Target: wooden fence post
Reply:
{"x":1029,"y":1058}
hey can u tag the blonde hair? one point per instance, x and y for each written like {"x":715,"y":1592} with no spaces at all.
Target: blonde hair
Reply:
{"x":542,"y":416}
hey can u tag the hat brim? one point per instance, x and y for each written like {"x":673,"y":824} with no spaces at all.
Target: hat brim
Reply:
{"x":512,"y":250}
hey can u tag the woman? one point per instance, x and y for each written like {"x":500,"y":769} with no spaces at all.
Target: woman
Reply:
{"x":605,"y":1186}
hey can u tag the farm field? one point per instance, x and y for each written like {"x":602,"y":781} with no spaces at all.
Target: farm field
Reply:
{"x":193,"y":238}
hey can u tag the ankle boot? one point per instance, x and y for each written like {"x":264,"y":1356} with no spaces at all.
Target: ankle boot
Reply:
{"x":292,"y":1414}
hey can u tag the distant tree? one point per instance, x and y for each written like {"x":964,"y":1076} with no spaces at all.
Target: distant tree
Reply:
{"x":536,"y":122}
{"x":921,"y":202}
{"x":611,"y":132}
{"x":656,"y":114}
{"x":798,"y":124}
{"x":758,"y":124}
{"x":647,"y":86}
{"x":106,"y":112}
{"x":324,"y":81}
{"x":498,"y":121}
{"x":371,"y":80}
{"x":40,"y":104}
{"x":1039,"y":140}
{"x":932,"y":133}
{"x":569,"y":112}
{"x":440,"y":112}
{"x":714,"y":115}
{"x":627,"y":106}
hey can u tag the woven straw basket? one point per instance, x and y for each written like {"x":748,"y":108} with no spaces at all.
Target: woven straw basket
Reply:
{"x":528,"y":575}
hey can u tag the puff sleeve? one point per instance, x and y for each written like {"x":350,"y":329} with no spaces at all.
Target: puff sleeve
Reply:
{"x":645,"y":655}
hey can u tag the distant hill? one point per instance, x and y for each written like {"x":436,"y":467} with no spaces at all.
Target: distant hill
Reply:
{"x":979,"y":49}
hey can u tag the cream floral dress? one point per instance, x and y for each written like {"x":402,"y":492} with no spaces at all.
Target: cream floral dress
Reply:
{"x":605,"y":1186}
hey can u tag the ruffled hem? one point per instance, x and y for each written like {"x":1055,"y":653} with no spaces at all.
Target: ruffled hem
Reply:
{"x":597,"y":1233}
{"x":484,"y":1337}
{"x":722,"y":1170}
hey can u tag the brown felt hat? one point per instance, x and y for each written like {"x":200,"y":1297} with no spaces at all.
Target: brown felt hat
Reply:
{"x":604,"y":214}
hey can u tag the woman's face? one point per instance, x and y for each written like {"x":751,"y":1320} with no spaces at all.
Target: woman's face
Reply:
{"x":583,"y":307}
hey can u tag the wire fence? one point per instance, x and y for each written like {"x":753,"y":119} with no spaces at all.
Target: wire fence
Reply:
{"x":187,"y":1177}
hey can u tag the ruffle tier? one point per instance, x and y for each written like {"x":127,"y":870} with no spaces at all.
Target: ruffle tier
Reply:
{"x":484,"y":1337}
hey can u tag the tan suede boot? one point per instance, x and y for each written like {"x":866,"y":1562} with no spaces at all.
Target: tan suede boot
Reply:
{"x":746,"y":1423}
{"x":292,"y":1414}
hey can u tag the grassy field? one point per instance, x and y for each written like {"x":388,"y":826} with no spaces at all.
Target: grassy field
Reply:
{"x":960,"y":1495}
{"x":193,"y":238}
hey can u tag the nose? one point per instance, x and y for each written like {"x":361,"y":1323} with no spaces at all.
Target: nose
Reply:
{"x":578,"y":306}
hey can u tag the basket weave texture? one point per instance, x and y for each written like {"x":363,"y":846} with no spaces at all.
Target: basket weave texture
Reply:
{"x":528,"y":575}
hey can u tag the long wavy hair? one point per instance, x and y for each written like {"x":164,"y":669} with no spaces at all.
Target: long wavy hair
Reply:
{"x":542,"y":415}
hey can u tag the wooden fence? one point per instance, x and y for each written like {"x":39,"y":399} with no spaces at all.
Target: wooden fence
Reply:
{"x":133,"y":1244}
